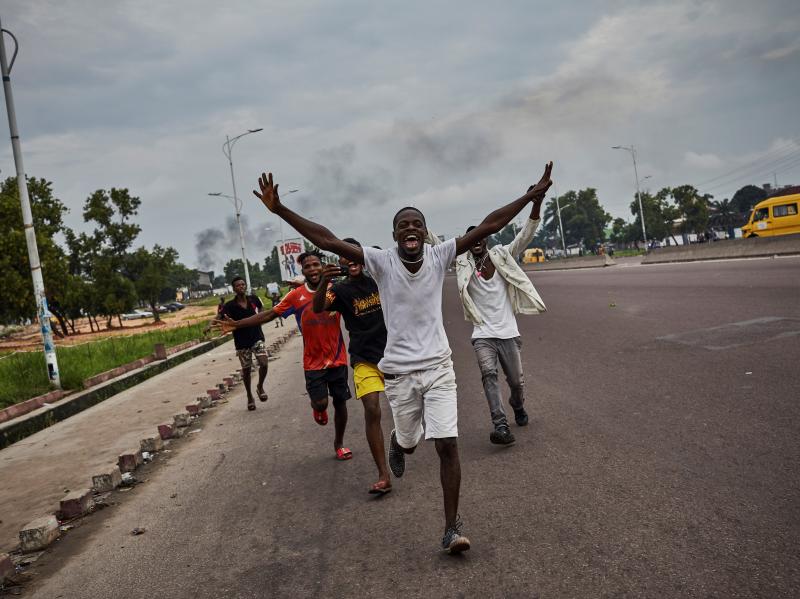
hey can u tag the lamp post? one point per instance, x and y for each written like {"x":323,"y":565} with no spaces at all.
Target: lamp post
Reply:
{"x":27,"y":217}
{"x":227,"y":149}
{"x":632,"y":151}
{"x":560,"y":225}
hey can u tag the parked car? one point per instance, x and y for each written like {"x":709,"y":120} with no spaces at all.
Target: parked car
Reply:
{"x":176,"y":306}
{"x":136,"y":314}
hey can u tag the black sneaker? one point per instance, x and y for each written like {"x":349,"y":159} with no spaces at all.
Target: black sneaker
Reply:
{"x":453,"y":541}
{"x":397,"y":459}
{"x":521,"y":417}
{"x":501,"y":435}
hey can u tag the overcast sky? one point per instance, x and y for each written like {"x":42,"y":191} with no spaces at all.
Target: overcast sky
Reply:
{"x":370,"y":106}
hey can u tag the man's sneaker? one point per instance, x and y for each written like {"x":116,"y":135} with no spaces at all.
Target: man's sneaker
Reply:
{"x":501,"y":435}
{"x":397,"y":459}
{"x":454,"y":541}
{"x":521,"y":417}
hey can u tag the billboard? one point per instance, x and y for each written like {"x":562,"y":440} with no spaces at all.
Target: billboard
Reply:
{"x":288,"y":252}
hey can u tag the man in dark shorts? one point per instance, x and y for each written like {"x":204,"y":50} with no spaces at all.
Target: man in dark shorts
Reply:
{"x":357,"y":299}
{"x":249,"y":341}
{"x":324,"y":354}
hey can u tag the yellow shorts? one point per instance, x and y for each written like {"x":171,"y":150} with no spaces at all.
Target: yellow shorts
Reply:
{"x":368,"y":379}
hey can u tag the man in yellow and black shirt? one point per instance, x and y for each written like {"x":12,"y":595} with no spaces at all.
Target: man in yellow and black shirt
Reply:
{"x":357,"y":299}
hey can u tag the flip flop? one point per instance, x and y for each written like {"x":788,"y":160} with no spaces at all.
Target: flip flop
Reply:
{"x":343,"y":454}
{"x":320,"y":418}
{"x":251,"y":406}
{"x":382,"y":487}
{"x":262,"y":395}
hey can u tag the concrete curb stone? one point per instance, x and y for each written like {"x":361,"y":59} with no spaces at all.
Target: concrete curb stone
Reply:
{"x":165,"y":431}
{"x":107,"y":481}
{"x":76,"y":504}
{"x":152,"y":444}
{"x":130,"y":461}
{"x":39,"y":533}
{"x":7,"y":567}
{"x":182,"y":420}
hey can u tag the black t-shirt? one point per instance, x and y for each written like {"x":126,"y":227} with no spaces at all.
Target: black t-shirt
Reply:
{"x":249,"y":336}
{"x":359,"y":303}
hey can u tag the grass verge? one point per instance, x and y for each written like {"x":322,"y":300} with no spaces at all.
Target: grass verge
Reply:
{"x":23,"y":374}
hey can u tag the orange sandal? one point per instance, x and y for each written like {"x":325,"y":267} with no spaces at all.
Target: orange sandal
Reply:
{"x":343,"y":453}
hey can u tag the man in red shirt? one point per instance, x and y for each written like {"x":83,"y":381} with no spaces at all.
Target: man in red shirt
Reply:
{"x":324,"y":353}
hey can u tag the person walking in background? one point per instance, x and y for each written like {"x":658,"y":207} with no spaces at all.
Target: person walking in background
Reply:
{"x":248,"y":340}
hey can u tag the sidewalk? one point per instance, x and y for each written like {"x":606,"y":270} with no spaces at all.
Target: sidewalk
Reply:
{"x":36,"y":472}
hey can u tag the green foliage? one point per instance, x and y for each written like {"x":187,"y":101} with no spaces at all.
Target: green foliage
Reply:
{"x":23,"y":375}
{"x":150,"y":272}
{"x":583,"y":218}
{"x":748,"y":196}
{"x":16,"y":293}
{"x":693,"y":208}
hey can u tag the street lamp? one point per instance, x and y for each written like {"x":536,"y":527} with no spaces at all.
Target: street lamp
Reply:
{"x":561,"y":225}
{"x":227,"y":149}
{"x":27,"y":217}
{"x":632,"y":151}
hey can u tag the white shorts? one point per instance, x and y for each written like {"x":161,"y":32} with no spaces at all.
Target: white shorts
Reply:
{"x":425,"y":393}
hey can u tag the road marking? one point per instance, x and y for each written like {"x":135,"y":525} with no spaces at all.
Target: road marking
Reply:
{"x":738,"y":334}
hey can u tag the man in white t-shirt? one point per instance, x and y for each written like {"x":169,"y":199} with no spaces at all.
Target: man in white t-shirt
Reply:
{"x":493,"y":288}
{"x":419,"y":378}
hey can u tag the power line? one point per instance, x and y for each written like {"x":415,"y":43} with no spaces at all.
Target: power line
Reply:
{"x":781,"y":165}
{"x":768,"y":156}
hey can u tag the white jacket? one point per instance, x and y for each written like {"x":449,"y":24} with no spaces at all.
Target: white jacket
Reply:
{"x":524,"y":297}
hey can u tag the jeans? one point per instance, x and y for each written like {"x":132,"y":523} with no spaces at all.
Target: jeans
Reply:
{"x":506,"y":352}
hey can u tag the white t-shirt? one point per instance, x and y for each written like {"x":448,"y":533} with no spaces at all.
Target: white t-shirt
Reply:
{"x":412,"y":307}
{"x":494,"y":307}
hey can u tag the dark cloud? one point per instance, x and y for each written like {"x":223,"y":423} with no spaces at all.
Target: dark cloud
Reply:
{"x":215,"y":246}
{"x":338,"y":182}
{"x":452,"y":149}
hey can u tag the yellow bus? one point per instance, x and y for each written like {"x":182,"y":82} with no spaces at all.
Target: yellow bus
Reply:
{"x":777,"y":215}
{"x":532,"y":256}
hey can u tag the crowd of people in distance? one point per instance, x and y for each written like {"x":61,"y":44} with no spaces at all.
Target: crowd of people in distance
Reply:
{"x":391,"y":304}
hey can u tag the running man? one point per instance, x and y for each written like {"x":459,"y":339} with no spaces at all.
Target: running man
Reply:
{"x":357,"y":299}
{"x":493,"y":288}
{"x":420,"y":381}
{"x":324,"y":354}
{"x":248,"y":339}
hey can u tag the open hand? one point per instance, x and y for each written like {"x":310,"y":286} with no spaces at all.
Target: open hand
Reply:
{"x":269,"y":193}
{"x":536,"y":192}
{"x":225,"y":324}
{"x":331,"y":271}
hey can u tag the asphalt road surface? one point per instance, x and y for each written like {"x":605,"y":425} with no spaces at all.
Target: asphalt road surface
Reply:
{"x":661,"y":461}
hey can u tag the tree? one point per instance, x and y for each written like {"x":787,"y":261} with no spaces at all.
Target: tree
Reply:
{"x":659,"y":215}
{"x":149,"y":270}
{"x":748,"y":196}
{"x":693,"y":208}
{"x":16,"y":293}
{"x":272,"y":267}
{"x":584,"y":219}
{"x":724,"y":216}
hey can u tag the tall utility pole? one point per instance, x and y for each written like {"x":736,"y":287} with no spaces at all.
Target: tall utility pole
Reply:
{"x":632,"y":151}
{"x":227,"y":149}
{"x":27,"y":217}
{"x":560,"y":225}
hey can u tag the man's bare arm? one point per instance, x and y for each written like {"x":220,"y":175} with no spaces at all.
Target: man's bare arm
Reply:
{"x":502,"y":216}
{"x":321,"y":302}
{"x":227,"y":324}
{"x":315,"y":233}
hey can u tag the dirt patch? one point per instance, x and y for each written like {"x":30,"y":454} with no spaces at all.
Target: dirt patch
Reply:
{"x":29,"y":338}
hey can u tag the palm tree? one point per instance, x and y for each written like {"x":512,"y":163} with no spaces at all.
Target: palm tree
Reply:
{"x":724,"y":216}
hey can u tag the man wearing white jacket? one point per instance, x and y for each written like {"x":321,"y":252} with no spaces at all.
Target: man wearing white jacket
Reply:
{"x":493,"y":289}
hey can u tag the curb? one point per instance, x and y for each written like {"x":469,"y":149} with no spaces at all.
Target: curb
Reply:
{"x":42,"y":532}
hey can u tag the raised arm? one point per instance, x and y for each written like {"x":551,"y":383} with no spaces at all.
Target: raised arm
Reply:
{"x":502,"y":216}
{"x":316,"y":234}
{"x":526,"y":233}
{"x":321,"y":302}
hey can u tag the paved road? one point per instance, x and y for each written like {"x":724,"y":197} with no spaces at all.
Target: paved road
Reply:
{"x":662,"y":460}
